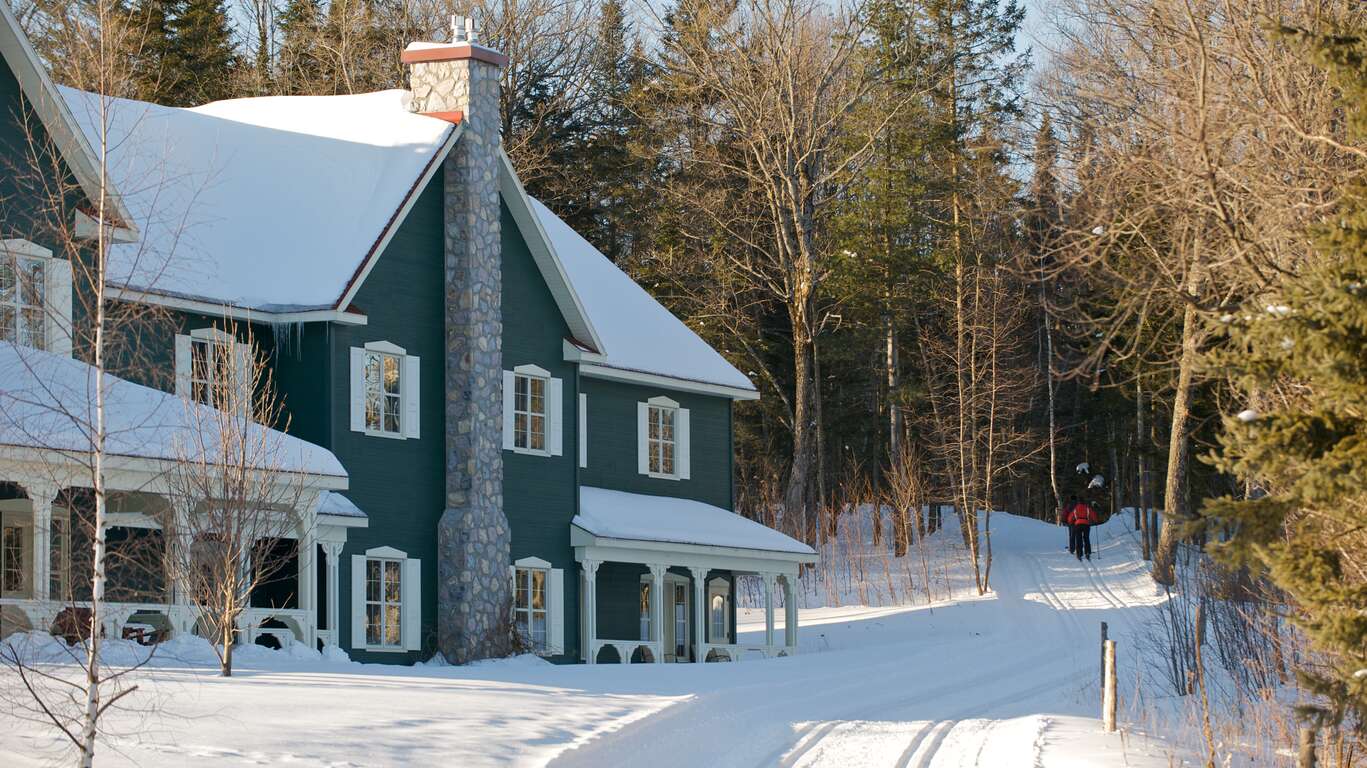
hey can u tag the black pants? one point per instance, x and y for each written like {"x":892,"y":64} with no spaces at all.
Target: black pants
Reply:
{"x":1082,"y":541}
{"x":1072,"y":538}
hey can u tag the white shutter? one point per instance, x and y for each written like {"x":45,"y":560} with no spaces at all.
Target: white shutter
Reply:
{"x":412,"y":604}
{"x":642,"y":442}
{"x":59,"y":329}
{"x":182,"y":365}
{"x":243,"y":377}
{"x":357,"y":389}
{"x":682,"y":447}
{"x":357,"y":602}
{"x":555,"y":415}
{"x":557,"y":611}
{"x":508,"y":410}
{"x":583,"y":431}
{"x":410,"y":394}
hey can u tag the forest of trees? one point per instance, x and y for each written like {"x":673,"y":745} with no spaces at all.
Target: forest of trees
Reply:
{"x":934,"y":256}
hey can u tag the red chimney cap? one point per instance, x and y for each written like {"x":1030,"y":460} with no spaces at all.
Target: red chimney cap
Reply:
{"x":428,"y":52}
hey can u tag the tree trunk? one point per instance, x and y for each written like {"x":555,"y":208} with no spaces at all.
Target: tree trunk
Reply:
{"x":1141,"y":453}
{"x":1179,"y":452}
{"x":799,"y":473}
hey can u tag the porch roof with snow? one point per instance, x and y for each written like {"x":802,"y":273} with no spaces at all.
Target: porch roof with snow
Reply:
{"x":47,"y":403}
{"x":664,"y":528}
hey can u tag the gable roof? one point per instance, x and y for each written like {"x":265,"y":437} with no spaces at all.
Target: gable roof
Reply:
{"x":274,"y":204}
{"x":638,"y":334}
{"x":61,"y":126}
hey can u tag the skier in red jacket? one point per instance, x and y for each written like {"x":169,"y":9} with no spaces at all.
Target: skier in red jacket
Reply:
{"x":1081,"y":517}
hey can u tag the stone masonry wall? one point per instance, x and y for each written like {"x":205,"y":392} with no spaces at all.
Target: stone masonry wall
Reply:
{"x":473,"y":538}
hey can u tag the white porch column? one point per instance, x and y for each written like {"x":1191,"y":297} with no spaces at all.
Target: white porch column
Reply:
{"x":590,"y":608}
{"x":306,"y":549}
{"x":699,"y":627}
{"x":41,"y":496}
{"x":657,"y":610}
{"x":769,"y":579}
{"x":789,"y":612}
{"x":332,"y":558}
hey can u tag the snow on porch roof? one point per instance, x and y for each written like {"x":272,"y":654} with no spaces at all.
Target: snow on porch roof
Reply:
{"x":47,"y":402}
{"x":269,"y":203}
{"x":640,"y":517}
{"x":337,"y":505}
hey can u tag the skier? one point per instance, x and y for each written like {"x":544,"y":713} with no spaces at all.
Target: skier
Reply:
{"x":1082,"y":517}
{"x":1068,"y":521}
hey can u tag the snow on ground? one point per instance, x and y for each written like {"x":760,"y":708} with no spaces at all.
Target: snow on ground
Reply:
{"x":1007,"y":680}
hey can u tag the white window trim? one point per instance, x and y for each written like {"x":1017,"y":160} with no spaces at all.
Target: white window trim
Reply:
{"x":410,"y":391}
{"x":583,"y":430}
{"x":57,"y":293}
{"x":682,"y":439}
{"x":19,"y":515}
{"x":410,"y":601}
{"x":715,"y":587}
{"x":184,"y":356}
{"x":555,"y":601}
{"x":554,"y":397}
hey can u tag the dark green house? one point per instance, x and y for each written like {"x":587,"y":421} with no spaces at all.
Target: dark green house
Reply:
{"x":536,"y":452}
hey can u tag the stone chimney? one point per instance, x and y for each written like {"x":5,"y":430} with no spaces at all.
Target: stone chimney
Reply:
{"x":459,"y":82}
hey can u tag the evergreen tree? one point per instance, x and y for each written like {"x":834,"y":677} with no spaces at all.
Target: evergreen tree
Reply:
{"x":157,"y":72}
{"x":1303,"y":357}
{"x":203,"y":53}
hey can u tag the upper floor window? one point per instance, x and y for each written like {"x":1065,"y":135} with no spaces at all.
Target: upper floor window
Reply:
{"x":663,"y":439}
{"x":532,"y":411}
{"x":35,"y":297}
{"x":383,"y":397}
{"x":529,"y":412}
{"x":384,"y":390}
{"x":23,"y":290}
{"x":214,"y":368}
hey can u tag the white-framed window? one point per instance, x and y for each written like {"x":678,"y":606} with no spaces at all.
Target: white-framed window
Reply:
{"x":529,"y":605}
{"x":539,"y":604}
{"x":718,"y":611}
{"x":532,"y":411}
{"x":213,"y":367}
{"x":386,"y":601}
{"x":385,"y":391}
{"x":16,"y":554}
{"x":59,"y":557}
{"x":35,"y":297}
{"x":645,"y":610}
{"x":662,"y":441}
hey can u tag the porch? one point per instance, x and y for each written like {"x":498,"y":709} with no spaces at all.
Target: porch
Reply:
{"x":659,"y":579}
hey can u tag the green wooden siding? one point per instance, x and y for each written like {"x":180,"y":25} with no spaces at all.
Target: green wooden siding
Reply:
{"x":612,"y":457}
{"x":399,"y":484}
{"x":539,"y":492}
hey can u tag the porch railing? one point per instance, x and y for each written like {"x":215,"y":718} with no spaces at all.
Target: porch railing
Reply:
{"x":651,"y":650}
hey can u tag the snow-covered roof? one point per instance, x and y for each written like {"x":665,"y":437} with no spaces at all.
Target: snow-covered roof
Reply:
{"x":335,"y":504}
{"x":638,"y":333}
{"x":640,"y":517}
{"x":47,"y":402}
{"x":272,"y":203}
{"x":48,"y":104}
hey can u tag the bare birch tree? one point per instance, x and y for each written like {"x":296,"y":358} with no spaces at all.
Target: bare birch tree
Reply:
{"x":236,"y":495}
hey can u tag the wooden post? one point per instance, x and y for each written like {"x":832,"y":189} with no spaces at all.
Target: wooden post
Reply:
{"x":1108,"y":696}
{"x":1305,"y":756}
{"x":1105,"y":635}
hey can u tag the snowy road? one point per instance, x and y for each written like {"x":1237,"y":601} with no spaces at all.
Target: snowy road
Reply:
{"x":1007,"y":680}
{"x":1003,"y":681}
